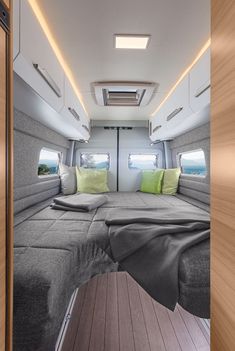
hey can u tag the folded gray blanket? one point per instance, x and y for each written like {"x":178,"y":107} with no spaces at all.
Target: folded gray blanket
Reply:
{"x":148,"y":245}
{"x":79,"y":202}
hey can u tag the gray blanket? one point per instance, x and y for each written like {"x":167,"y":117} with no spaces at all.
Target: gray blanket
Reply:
{"x":148,"y":245}
{"x":79,"y":202}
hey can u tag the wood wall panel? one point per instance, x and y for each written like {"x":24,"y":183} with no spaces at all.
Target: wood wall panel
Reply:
{"x":7,"y":2}
{"x":2,"y":187}
{"x":223,"y":176}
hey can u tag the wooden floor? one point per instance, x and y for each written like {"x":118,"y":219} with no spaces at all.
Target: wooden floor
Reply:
{"x":113,"y":313}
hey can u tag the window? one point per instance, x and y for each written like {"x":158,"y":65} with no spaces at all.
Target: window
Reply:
{"x":99,"y":161}
{"x":193,"y":163}
{"x":48,"y":162}
{"x":142,"y":161}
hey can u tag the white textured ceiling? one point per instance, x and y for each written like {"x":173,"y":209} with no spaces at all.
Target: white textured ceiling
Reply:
{"x":84,"y":31}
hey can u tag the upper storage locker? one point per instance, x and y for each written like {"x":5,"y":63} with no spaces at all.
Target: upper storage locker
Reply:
{"x":185,"y":108}
{"x":73,"y":112}
{"x":173,"y":113}
{"x":36,"y":62}
{"x":200,"y":83}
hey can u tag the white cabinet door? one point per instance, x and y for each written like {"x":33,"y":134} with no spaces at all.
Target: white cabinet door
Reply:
{"x":16,"y":27}
{"x":36,"y":62}
{"x":170,"y":119}
{"x":199,"y":86}
{"x":74,"y":113}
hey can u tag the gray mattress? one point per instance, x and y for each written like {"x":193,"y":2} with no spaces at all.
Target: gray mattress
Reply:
{"x":57,"y":251}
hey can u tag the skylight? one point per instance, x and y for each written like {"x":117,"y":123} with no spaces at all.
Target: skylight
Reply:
{"x":131,"y":41}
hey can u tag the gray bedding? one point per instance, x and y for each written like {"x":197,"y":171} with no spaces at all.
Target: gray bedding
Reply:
{"x":56,"y":251}
{"x":79,"y":202}
{"x":148,"y":243}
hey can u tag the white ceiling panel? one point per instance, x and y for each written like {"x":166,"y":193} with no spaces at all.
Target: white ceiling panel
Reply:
{"x":84,"y":30}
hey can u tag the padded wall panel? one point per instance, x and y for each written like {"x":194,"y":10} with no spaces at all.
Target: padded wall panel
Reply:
{"x":197,"y":188}
{"x":202,"y":187}
{"x":26,"y":202}
{"x":197,"y":195}
{"x":29,"y":138}
{"x":29,"y":190}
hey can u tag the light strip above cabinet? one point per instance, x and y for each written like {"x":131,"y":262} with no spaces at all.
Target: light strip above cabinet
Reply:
{"x":199,"y":55}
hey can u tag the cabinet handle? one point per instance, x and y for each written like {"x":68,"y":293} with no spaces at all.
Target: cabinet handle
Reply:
{"x":74,"y":113}
{"x":46,"y":76}
{"x":174,"y":113}
{"x":202,"y":89}
{"x":156,"y":128}
{"x":85,"y":127}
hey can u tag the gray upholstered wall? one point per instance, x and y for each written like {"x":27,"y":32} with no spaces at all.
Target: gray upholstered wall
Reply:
{"x":195,"y":187}
{"x":29,"y":138}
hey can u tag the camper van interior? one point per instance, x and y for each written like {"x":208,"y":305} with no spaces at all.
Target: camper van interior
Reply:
{"x":118,"y":117}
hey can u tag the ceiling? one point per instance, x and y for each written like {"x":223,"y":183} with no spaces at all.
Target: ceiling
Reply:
{"x":84,"y":31}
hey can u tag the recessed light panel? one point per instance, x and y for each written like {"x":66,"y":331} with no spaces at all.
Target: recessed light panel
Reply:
{"x":131,"y":41}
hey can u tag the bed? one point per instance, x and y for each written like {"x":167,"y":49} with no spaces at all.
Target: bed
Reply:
{"x":58,"y":251}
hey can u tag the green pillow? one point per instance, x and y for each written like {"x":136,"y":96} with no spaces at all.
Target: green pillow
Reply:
{"x":91,"y":180}
{"x":170,"y":181}
{"x":151,"y":181}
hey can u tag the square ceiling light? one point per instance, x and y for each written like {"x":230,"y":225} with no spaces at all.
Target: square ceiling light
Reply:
{"x":131,"y":41}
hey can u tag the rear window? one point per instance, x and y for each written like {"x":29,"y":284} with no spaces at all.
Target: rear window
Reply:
{"x":142,"y":161}
{"x":48,"y":162}
{"x":95,"y":160}
{"x":193,"y":163}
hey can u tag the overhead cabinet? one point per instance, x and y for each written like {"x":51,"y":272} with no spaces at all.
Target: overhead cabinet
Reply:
{"x":35,"y":61}
{"x":173,"y":113}
{"x":200,"y":83}
{"x":187,"y":106}
{"x":74,"y":113}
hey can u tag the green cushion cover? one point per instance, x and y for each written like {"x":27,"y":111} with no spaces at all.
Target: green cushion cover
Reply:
{"x":170,"y":181}
{"x":152,"y":181}
{"x":91,"y":180}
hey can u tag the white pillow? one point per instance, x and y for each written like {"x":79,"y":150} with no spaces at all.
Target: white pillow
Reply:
{"x":68,"y":179}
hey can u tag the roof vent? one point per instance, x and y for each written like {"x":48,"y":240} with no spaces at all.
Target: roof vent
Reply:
{"x":124,"y":93}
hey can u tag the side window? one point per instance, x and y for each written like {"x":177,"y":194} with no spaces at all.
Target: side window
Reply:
{"x":93,"y":160}
{"x":48,"y":162}
{"x":142,"y":161}
{"x":193,"y":163}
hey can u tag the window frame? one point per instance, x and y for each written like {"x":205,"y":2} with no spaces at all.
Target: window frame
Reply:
{"x":192,"y":175}
{"x":95,"y":153}
{"x":142,"y":169}
{"x":60,"y":157}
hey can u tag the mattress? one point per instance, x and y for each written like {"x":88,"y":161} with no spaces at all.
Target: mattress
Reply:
{"x":57,"y":251}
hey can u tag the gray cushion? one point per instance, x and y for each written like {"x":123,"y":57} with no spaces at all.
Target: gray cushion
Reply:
{"x":68,"y":179}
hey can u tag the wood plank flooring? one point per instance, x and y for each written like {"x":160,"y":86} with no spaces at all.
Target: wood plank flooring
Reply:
{"x":113,"y":313}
